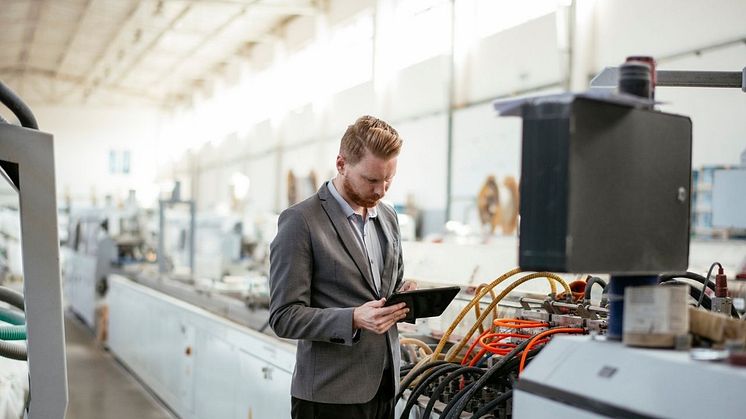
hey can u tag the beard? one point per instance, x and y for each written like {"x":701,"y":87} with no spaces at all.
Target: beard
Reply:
{"x":366,"y":202}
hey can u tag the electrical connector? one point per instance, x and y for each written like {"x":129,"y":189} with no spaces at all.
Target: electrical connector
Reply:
{"x":721,"y":303}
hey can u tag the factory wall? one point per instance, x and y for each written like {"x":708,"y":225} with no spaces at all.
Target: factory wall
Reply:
{"x":537,"y":56}
{"x":208,"y":147}
{"x":91,"y":144}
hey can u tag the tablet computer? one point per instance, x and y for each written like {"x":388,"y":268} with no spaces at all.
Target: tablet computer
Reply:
{"x":430,"y":302}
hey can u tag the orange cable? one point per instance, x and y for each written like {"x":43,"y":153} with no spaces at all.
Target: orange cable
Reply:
{"x":534,"y":340}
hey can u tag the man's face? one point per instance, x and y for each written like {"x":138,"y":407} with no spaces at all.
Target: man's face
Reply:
{"x":366,"y":182}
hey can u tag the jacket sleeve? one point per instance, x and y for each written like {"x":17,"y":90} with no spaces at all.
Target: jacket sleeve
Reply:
{"x":291,"y":270}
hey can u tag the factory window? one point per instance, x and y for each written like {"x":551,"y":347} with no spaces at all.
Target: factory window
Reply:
{"x":119,"y":162}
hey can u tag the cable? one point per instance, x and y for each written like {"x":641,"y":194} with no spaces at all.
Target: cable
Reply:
{"x":462,"y":314}
{"x":476,"y":306}
{"x":16,"y":105}
{"x":13,"y":332}
{"x":457,"y":400}
{"x":453,"y":352}
{"x":551,"y":278}
{"x":12,"y":317}
{"x":707,"y":281}
{"x":536,"y":338}
{"x":442,"y":386}
{"x":420,"y":344}
{"x":420,"y":388}
{"x":589,"y":285}
{"x":457,"y":405}
{"x":416,"y":372}
{"x":12,"y":297}
{"x":13,"y":351}
{"x":492,"y":405}
{"x":696,"y":294}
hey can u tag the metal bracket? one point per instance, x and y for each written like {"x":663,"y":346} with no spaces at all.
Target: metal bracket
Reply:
{"x":608,"y":78}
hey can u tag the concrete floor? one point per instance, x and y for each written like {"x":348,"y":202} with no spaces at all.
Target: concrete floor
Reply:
{"x":99,"y":387}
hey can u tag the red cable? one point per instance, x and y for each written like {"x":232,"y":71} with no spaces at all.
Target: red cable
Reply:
{"x":535,"y":339}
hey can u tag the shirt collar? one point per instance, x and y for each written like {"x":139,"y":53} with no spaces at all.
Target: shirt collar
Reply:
{"x":346,"y":208}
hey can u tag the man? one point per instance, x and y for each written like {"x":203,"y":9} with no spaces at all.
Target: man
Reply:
{"x":334,"y":261}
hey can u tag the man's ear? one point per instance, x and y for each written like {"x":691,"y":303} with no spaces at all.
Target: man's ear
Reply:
{"x":341,"y":164}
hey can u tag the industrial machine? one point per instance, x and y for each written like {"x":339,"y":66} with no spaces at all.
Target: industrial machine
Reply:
{"x":88,"y":260}
{"x":605,"y":187}
{"x":27,"y":165}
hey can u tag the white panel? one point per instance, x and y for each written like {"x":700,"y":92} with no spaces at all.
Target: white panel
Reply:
{"x":517,"y":59}
{"x":421,"y":168}
{"x":215,"y":371}
{"x":87,"y":134}
{"x":348,"y":105}
{"x":663,"y":27}
{"x":200,"y":365}
{"x":262,"y":384}
{"x":262,"y":171}
{"x":419,"y":89}
{"x":718,"y":129}
{"x":729,"y":199}
{"x":483,"y":145}
{"x":299,"y":125}
{"x":301,"y":160}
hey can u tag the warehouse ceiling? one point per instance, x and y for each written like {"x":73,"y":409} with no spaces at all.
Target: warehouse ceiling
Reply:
{"x":131,"y":51}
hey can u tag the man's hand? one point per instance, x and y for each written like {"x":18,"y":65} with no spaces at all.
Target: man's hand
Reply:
{"x":407,"y":286}
{"x":375,"y":317}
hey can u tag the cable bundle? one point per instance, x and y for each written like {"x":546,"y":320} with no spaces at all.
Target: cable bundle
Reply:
{"x":454,"y":379}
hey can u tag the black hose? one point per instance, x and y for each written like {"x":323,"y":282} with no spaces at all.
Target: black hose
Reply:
{"x":690,"y":275}
{"x":695,"y":293}
{"x":589,"y":285}
{"x":459,"y":396}
{"x":492,"y":405}
{"x":12,"y":297}
{"x":13,"y":351}
{"x":707,"y":281}
{"x":459,"y":406}
{"x":16,"y":105}
{"x":442,"y":386}
{"x":420,"y":388}
{"x":413,"y":376}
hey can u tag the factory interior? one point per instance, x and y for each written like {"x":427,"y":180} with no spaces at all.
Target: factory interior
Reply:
{"x":569,"y":201}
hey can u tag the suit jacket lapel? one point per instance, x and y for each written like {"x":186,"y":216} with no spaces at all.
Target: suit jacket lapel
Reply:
{"x":388,"y":254}
{"x":345,"y":233}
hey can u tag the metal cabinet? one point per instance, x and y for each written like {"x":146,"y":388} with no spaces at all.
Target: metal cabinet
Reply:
{"x":261,"y":385}
{"x":201,"y":365}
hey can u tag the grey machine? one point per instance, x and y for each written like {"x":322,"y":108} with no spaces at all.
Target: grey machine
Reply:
{"x":605,"y":188}
{"x":27,"y":164}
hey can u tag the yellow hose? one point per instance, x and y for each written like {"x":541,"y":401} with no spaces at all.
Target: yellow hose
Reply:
{"x":453,"y":352}
{"x":477,"y":312}
{"x":467,"y":309}
{"x":437,"y":353}
{"x":420,"y":344}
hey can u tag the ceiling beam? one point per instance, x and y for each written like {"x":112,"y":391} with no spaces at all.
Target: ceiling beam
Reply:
{"x":74,"y":35}
{"x":204,"y":42}
{"x":32,"y":27}
{"x":109,"y":46}
{"x":76,"y":80}
{"x":289,"y":8}
{"x":150,"y":47}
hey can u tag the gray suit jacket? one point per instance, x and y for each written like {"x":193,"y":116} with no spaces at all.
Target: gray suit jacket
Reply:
{"x":318,"y":275}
